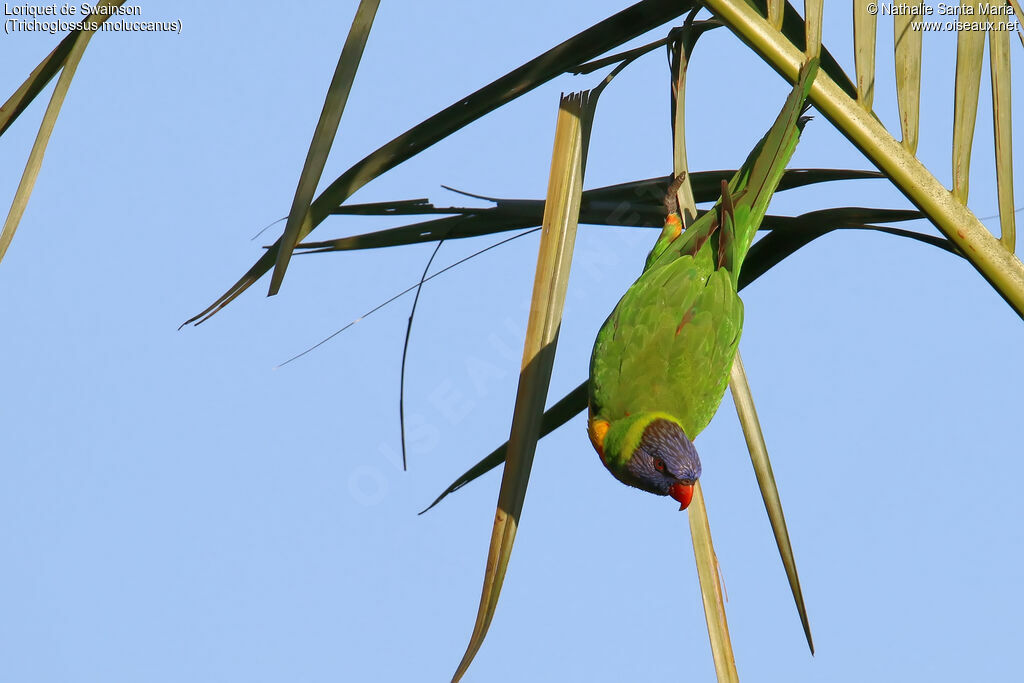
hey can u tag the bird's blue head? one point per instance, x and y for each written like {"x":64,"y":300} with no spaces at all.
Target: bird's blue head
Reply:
{"x":664,"y":461}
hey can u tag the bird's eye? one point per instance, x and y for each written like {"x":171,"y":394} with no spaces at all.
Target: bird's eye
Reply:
{"x":659,"y":464}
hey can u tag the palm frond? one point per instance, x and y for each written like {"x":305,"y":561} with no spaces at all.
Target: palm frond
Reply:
{"x":633,"y":204}
{"x":78,"y":41}
{"x":586,"y":45}
{"x":908,"y":43}
{"x":323,"y":137}
{"x":788,"y":235}
{"x":558,"y":236}
{"x":947,"y":210}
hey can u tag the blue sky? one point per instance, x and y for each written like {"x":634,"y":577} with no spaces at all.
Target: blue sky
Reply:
{"x":174,"y":508}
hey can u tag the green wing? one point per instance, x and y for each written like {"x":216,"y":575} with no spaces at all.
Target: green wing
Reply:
{"x":668,"y":345}
{"x":670,"y":342}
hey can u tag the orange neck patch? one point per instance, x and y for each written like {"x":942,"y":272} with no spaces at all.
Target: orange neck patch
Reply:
{"x":596,"y":430}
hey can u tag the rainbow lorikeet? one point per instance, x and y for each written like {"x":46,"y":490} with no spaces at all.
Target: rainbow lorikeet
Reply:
{"x":662,"y":359}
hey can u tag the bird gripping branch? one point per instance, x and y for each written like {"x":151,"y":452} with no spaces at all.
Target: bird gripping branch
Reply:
{"x":662,"y":359}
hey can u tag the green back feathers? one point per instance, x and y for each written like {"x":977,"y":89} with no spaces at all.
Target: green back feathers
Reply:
{"x":669,"y":345}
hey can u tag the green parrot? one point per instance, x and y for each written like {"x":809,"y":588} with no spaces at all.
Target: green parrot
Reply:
{"x":662,"y":359}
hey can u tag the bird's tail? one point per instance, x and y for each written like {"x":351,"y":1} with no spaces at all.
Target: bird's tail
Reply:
{"x":739,"y":212}
{"x":752,"y":187}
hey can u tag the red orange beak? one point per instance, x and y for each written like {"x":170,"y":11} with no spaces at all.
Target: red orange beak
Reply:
{"x":682,"y":493}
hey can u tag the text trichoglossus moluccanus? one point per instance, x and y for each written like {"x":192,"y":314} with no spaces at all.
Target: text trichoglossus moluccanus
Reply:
{"x":662,"y":359}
